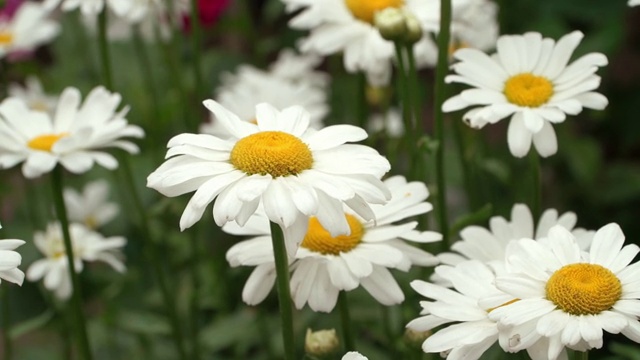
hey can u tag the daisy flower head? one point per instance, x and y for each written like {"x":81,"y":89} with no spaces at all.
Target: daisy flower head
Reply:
{"x":488,"y":245}
{"x":531,"y":80}
{"x":475,"y":25}
{"x":326,"y":264}
{"x":90,"y":207}
{"x":465,"y":309}
{"x":28,"y":28}
{"x":87,"y":245}
{"x":33,"y":94}
{"x":572,"y":296}
{"x":241,"y":92}
{"x":10,"y":260}
{"x":278,"y":162}
{"x":633,"y":2}
{"x":74,"y":136}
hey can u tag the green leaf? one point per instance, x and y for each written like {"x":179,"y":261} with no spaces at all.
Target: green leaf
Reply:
{"x":32,"y":324}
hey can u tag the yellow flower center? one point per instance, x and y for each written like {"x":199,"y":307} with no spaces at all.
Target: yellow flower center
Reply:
{"x":6,"y":37}
{"x":318,"y":239}
{"x":271,"y":152}
{"x":528,"y":90}
{"x":583,"y":289}
{"x":505,"y":304}
{"x":45,"y":142}
{"x":365,"y":9}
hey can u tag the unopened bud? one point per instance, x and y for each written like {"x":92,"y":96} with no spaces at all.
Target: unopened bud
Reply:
{"x":413,"y":32}
{"x":321,"y":343}
{"x":390,"y":22}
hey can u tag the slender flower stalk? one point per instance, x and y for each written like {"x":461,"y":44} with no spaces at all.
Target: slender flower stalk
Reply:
{"x":441,"y":70}
{"x":345,"y":318}
{"x":6,"y":323}
{"x":195,"y":294}
{"x":103,"y":44}
{"x":76,"y":296}
{"x":403,"y":86}
{"x":581,"y":355}
{"x":284,"y":292}
{"x":536,"y":196}
{"x":145,"y":67}
{"x":196,"y":41}
{"x":414,"y":89}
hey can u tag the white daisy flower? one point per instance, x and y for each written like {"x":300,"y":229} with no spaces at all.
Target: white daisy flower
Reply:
{"x":326,"y":264}
{"x":347,"y":26}
{"x":529,"y":79}
{"x":279,"y":162}
{"x":10,"y":260}
{"x":87,"y":245}
{"x":241,"y":92}
{"x":91,"y":207}
{"x":475,"y":25}
{"x":251,"y":160}
{"x":74,"y":137}
{"x":633,"y":2}
{"x":572,"y":297}
{"x":466,"y":309}
{"x":33,"y":95}
{"x":489,"y":245}
{"x":389,"y":123}
{"x":29,"y":27}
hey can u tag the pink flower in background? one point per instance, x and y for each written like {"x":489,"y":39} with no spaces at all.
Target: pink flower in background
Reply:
{"x":210,"y":11}
{"x":10,"y":8}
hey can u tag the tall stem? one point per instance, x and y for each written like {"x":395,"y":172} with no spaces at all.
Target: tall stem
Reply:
{"x":536,"y":196}
{"x":6,"y":323}
{"x":76,"y":302}
{"x":441,"y":70}
{"x":581,"y":355}
{"x":103,"y":44}
{"x":284,"y":293}
{"x":345,"y":319}
{"x":195,"y":294}
{"x":403,"y":87}
{"x":414,"y":89}
{"x":152,"y":253}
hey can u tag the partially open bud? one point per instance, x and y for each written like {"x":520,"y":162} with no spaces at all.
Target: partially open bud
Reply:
{"x":413,"y":32}
{"x":322,"y":343}
{"x":390,"y":22}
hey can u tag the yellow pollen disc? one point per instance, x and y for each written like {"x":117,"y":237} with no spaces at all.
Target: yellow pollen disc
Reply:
{"x":365,"y":9}
{"x":271,"y":152}
{"x":583,"y":289}
{"x":319,"y":240}
{"x":528,"y":90}
{"x":45,"y":142}
{"x":6,"y":38}
{"x":505,"y":304}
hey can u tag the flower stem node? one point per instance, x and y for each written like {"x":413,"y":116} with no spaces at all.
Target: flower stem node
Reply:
{"x":391,"y":23}
{"x":322,"y":343}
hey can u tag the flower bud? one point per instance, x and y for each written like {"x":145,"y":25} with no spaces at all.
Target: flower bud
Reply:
{"x":321,"y":343}
{"x":413,"y":32}
{"x":390,"y":22}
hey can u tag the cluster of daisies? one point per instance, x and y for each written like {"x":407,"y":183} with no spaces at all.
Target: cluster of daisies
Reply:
{"x":267,"y":162}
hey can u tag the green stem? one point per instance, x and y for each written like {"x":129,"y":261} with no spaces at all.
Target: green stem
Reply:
{"x":465,"y":166}
{"x":103,"y":45}
{"x":284,"y":293}
{"x":536,"y":196}
{"x":171,"y":50}
{"x":345,"y":319}
{"x":76,"y":296}
{"x":581,"y":355}
{"x":404,"y":90}
{"x":441,"y":71}
{"x":151,"y":251}
{"x":414,"y":90}
{"x":196,"y":40}
{"x":195,"y":295}
{"x":6,"y":323}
